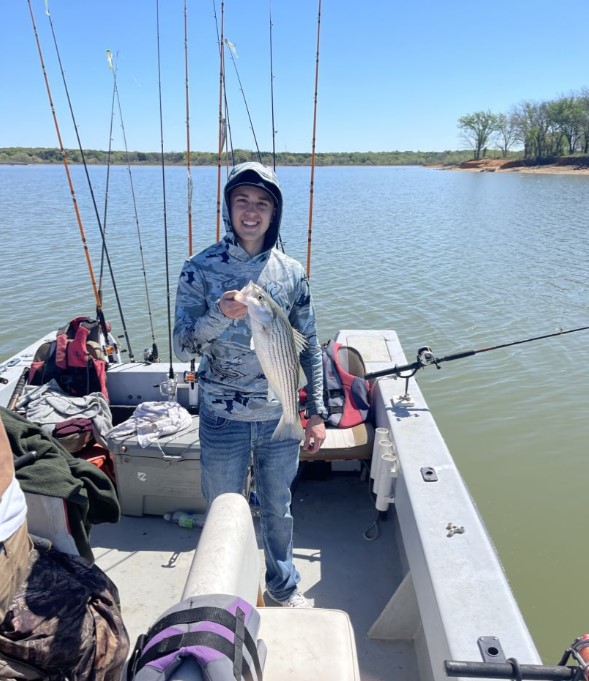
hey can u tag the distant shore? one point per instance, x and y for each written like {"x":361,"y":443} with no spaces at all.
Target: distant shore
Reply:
{"x":564,"y":166}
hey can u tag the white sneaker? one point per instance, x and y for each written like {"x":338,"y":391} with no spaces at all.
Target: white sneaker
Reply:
{"x":295,"y":600}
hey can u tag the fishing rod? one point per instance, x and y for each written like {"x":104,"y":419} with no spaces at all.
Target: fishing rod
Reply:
{"x":189,"y":185}
{"x":152,"y":356}
{"x":191,"y":378}
{"x":426,"y":357}
{"x":312,"y":181}
{"x":171,"y":383}
{"x":272,"y":92}
{"x":511,"y":668}
{"x":221,"y":117}
{"x":97,"y":298}
{"x":99,"y":310}
{"x":280,"y":241}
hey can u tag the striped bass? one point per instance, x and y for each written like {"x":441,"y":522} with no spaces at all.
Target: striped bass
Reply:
{"x":277,"y":347}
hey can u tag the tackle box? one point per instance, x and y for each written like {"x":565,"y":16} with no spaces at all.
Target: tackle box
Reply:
{"x":161,"y":478}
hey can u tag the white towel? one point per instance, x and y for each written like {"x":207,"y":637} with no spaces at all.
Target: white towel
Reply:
{"x":152,"y":420}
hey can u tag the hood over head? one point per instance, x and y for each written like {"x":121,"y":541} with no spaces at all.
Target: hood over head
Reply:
{"x":255,"y":174}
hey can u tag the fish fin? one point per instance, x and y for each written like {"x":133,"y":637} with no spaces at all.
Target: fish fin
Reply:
{"x":288,"y":431}
{"x":252,"y":344}
{"x":300,"y":341}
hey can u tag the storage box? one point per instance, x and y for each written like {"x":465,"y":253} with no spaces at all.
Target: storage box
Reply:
{"x":161,"y":478}
{"x":129,"y":384}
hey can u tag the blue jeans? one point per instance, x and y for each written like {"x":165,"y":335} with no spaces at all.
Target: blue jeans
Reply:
{"x":226,"y":446}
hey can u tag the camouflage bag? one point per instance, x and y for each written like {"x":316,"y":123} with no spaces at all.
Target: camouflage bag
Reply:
{"x":64,"y":623}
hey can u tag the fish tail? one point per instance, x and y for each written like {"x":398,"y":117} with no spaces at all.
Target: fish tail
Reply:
{"x":288,"y":431}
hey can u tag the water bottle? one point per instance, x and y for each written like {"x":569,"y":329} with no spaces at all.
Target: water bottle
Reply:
{"x":183,"y":519}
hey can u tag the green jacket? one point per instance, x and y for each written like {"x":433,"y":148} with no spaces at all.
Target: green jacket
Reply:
{"x":90,"y":495}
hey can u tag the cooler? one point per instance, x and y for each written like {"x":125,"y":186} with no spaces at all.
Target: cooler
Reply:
{"x":161,"y":478}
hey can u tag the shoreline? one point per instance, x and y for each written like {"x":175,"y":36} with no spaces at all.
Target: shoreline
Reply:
{"x":502,"y":166}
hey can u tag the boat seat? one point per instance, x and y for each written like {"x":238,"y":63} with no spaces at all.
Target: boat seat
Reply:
{"x":344,"y":444}
{"x":308,"y":643}
{"x":302,"y":643}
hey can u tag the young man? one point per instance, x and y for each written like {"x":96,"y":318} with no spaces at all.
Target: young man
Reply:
{"x":236,"y":418}
{"x":15,"y":544}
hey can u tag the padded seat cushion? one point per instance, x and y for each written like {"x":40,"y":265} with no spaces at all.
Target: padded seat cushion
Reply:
{"x":344,"y":444}
{"x":307,"y":644}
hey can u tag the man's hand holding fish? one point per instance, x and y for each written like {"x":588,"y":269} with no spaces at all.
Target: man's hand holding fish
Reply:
{"x":230,"y":307}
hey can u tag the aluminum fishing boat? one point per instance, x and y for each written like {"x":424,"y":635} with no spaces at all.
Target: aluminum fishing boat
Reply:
{"x":393,"y":554}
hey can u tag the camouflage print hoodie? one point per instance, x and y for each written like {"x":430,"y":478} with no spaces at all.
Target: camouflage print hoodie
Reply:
{"x":230,"y":378}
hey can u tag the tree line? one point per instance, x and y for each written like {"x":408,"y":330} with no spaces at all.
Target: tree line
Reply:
{"x":544,"y":130}
{"x":24,"y":155}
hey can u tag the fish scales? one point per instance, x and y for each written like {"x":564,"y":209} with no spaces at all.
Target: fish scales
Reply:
{"x":285,"y":360}
{"x":280,"y":361}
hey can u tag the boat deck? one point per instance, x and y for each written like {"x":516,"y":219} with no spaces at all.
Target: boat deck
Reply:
{"x":430,"y":593}
{"x":149,"y":558}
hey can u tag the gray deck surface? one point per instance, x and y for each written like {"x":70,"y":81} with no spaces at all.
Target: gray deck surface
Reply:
{"x":148,"y":558}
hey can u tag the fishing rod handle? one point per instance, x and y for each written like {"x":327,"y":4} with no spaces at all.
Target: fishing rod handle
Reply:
{"x":456,"y":355}
{"x":393,"y":371}
{"x":505,"y":670}
{"x":25,"y":459}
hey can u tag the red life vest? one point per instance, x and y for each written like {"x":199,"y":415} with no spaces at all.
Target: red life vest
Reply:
{"x":346,"y":394}
{"x":75,"y":359}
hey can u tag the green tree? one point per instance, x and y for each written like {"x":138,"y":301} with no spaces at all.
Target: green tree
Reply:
{"x":531,"y":128}
{"x":505,"y":133}
{"x":569,"y":116}
{"x":477,"y":128}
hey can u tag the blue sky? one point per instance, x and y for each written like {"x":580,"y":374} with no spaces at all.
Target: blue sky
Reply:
{"x":392,"y":75}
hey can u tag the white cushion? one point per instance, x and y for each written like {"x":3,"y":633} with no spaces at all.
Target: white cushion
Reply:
{"x":314,"y":644}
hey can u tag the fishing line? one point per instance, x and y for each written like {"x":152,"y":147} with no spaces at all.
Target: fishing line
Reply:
{"x":167,"y":258}
{"x":232,"y":54}
{"x":154,"y":355}
{"x":312,"y":181}
{"x":108,"y":162}
{"x":70,"y":182}
{"x":226,"y":136}
{"x":227,"y":131}
{"x":99,"y":310}
{"x":189,"y":185}
{"x":426,"y":357}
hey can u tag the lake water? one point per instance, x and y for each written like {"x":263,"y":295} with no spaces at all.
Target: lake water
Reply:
{"x":457,"y":261}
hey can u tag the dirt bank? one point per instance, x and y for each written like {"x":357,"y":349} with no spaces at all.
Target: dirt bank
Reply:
{"x":578,"y":165}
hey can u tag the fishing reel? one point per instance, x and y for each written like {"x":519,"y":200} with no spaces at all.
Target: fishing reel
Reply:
{"x":425,"y":357}
{"x":150,"y":356}
{"x":169,"y":387}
